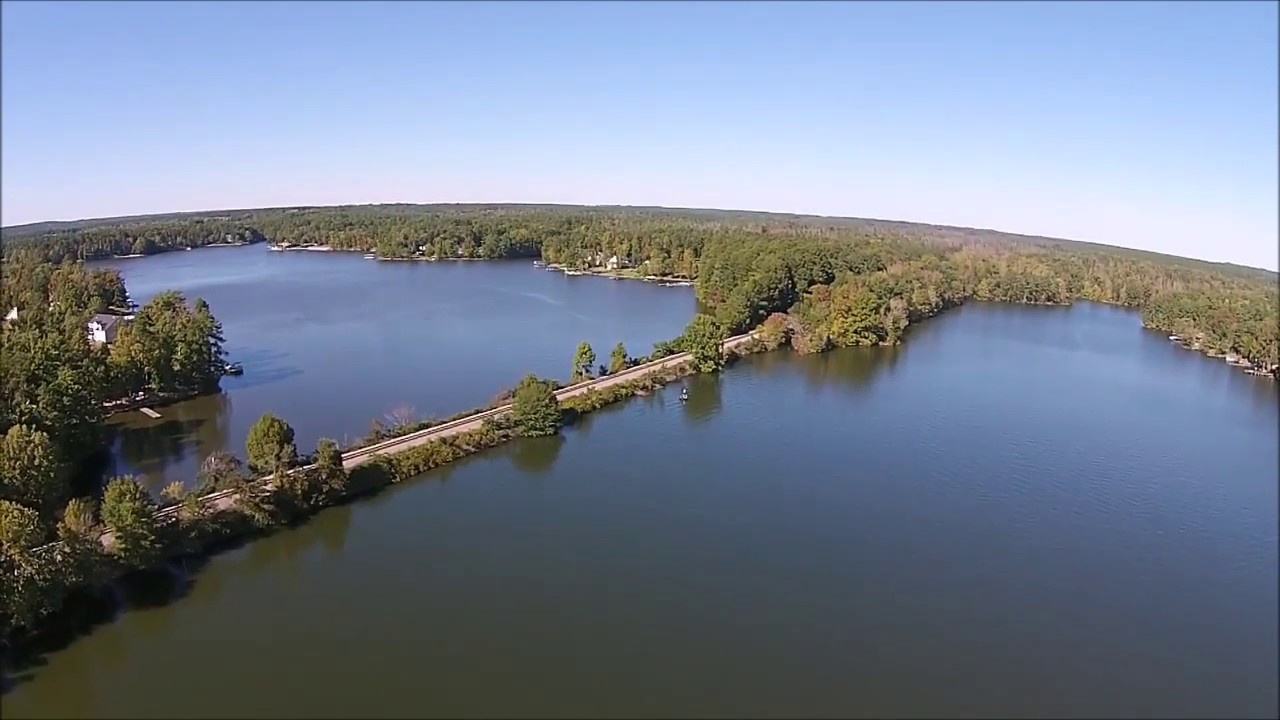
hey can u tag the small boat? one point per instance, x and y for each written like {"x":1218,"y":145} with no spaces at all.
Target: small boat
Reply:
{"x":234,"y":368}
{"x":1174,"y":338}
{"x":370,"y":256}
{"x":684,"y":395}
{"x":538,"y":263}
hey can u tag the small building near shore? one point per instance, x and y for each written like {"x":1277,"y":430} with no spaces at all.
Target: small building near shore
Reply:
{"x":12,"y":315}
{"x":103,"y":329}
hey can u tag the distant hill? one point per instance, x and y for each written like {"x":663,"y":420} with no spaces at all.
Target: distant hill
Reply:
{"x":944,"y":233}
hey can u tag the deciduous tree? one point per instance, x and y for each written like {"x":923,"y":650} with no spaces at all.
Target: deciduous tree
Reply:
{"x":536,"y":410}
{"x":703,"y":338}
{"x":583,"y":360}
{"x":30,"y":473}
{"x":129,"y":513}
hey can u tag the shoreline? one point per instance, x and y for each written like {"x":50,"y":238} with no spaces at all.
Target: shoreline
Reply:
{"x":622,"y":274}
{"x":112,"y":408}
{"x":369,"y":468}
{"x":378,"y":463}
{"x":298,"y":248}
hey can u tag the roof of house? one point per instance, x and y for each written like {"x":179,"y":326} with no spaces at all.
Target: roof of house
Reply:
{"x":107,"y":321}
{"x":111,"y":324}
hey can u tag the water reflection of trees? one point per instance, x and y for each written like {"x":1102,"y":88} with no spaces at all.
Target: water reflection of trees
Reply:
{"x":535,"y":455}
{"x":853,"y":367}
{"x":583,"y":424}
{"x":187,"y":433}
{"x":283,"y":551}
{"x":704,"y":397}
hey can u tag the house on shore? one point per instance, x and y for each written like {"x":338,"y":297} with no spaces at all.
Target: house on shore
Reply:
{"x":103,"y":329}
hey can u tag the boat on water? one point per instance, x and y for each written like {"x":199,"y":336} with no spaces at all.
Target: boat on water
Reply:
{"x":684,"y":395}
{"x":233,"y":368}
{"x":370,"y":256}
{"x":1174,"y":338}
{"x":538,"y":263}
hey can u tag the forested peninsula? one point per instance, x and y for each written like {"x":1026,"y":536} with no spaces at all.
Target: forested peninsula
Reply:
{"x":809,"y":282}
{"x":841,"y":281}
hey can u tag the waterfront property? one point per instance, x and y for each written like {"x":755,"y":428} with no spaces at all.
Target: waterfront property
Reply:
{"x":103,"y":328}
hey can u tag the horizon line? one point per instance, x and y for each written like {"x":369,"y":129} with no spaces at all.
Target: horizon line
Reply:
{"x":145,"y":215}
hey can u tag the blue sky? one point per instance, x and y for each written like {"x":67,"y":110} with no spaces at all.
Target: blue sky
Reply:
{"x":1150,"y":125}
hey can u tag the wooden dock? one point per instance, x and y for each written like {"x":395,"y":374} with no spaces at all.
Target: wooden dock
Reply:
{"x":149,"y":412}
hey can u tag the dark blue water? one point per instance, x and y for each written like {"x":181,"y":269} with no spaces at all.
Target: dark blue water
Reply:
{"x":1021,"y":512}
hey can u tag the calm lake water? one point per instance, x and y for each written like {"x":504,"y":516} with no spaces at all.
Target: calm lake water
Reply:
{"x":1023,"y":511}
{"x":331,"y":341}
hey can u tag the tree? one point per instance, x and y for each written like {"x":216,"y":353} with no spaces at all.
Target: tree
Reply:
{"x":774,"y":331}
{"x":29,"y":581}
{"x":208,"y":338}
{"x":329,"y":470}
{"x":219,"y":471}
{"x":129,"y":513}
{"x":52,"y":381}
{"x":29,"y":470}
{"x":401,"y":418}
{"x":583,"y":360}
{"x":536,"y":409}
{"x":703,"y":338}
{"x":618,"y":359}
{"x":78,"y":531}
{"x":270,"y":442}
{"x":193,"y":516}
{"x":174,"y":493}
{"x":77,"y":521}
{"x":856,"y":317}
{"x":169,"y":347}
{"x":20,"y":528}
{"x":255,"y":501}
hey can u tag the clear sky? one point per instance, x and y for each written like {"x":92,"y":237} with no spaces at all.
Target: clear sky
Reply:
{"x":1150,"y":125}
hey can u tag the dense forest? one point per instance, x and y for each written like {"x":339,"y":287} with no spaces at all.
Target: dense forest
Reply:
{"x":812,"y":283}
{"x":746,"y":264}
{"x":56,"y":386}
{"x":143,"y":238}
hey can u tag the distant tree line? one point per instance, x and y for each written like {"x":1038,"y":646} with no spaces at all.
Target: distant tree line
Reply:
{"x":141,"y":238}
{"x":749,"y":265}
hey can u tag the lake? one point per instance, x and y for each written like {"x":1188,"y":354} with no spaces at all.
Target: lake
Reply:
{"x":331,"y":341}
{"x":1020,"y":512}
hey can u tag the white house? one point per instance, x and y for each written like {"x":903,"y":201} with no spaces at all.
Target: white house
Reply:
{"x":615,"y":262}
{"x":103,"y":329}
{"x":13,"y":315}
